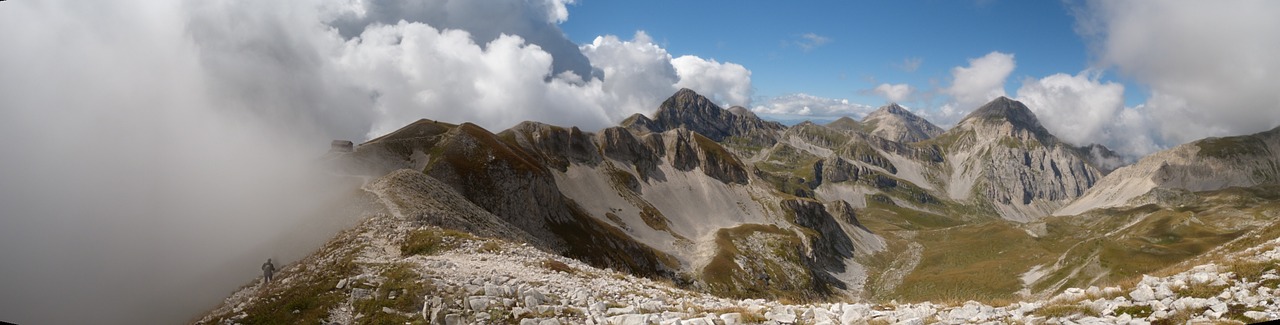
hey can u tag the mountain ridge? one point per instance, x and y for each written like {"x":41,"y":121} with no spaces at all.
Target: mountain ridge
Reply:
{"x":718,"y":201}
{"x":1207,"y":164}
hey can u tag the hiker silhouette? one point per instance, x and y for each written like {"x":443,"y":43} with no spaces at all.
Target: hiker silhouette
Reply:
{"x":267,"y":270}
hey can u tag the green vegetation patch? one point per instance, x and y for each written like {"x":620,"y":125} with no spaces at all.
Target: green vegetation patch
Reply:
{"x":787,"y":160}
{"x":882,"y":215}
{"x":742,"y":145}
{"x":713,"y":149}
{"x":1066,"y":311}
{"x":431,"y":241}
{"x":1135,"y":311}
{"x":1163,"y":238}
{"x":778,"y":272}
{"x":402,"y":290}
{"x":1231,"y":146}
{"x":973,"y":262}
{"x":473,"y":151}
{"x":821,"y":135}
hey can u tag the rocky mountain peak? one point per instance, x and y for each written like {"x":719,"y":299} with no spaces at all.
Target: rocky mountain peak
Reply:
{"x":1027,"y":172}
{"x":895,"y":109}
{"x":690,"y":101}
{"x":896,"y":123}
{"x":692,"y":111}
{"x":1003,"y":109}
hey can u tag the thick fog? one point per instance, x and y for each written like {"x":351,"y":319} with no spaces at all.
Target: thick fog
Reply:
{"x":155,"y":153}
{"x":128,"y":194}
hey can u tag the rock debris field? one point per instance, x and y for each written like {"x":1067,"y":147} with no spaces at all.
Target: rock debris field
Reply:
{"x":380,"y":273}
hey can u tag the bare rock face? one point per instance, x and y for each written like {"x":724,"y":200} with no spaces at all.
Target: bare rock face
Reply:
{"x":691,"y":150}
{"x":556,"y":146}
{"x":832,"y":243}
{"x":619,"y":144}
{"x":896,"y":123}
{"x":836,"y":169}
{"x":692,"y":111}
{"x":512,"y":183}
{"x":829,"y":248}
{"x":1001,"y":153}
{"x":1209,"y":164}
{"x":502,"y":178}
{"x":852,"y":146}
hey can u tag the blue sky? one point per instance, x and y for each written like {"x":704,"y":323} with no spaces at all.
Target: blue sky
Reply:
{"x":867,"y":41}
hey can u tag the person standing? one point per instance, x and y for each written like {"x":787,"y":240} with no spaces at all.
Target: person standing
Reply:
{"x":267,"y":270}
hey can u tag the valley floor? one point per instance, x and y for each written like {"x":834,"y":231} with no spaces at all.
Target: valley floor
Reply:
{"x":391,"y":271}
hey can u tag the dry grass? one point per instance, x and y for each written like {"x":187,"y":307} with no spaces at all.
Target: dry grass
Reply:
{"x":726,"y":278}
{"x":748,"y":317}
{"x":1250,"y":270}
{"x":558,"y":266}
{"x":1052,"y":311}
{"x":402,"y":291}
{"x":973,"y":262}
{"x":1236,"y":312}
{"x":492,"y":247}
{"x":1134,"y":311}
{"x":1179,"y":317}
{"x":1200,"y":290}
{"x":432,"y":241}
{"x":879,"y":321}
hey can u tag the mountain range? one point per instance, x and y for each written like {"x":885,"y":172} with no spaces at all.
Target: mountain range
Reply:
{"x":891,"y":207}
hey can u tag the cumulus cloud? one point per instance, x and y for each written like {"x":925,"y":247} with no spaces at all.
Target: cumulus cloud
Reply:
{"x":971,"y":87}
{"x":416,"y":70}
{"x":981,"y":81}
{"x":805,"y":106}
{"x":1211,"y":67}
{"x":533,"y":21}
{"x":1075,"y":108}
{"x":636,"y":72}
{"x":728,"y":83}
{"x":161,"y":149}
{"x":1082,"y":110}
{"x":894,"y":92}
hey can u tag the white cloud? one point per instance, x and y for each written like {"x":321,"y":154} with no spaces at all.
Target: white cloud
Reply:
{"x":419,"y":71}
{"x":638,"y":74}
{"x":1210,"y":66}
{"x":981,"y":81}
{"x":727,"y":83}
{"x":535,"y":21}
{"x":894,"y":92}
{"x":1075,"y":108}
{"x":795,"y":106}
{"x":1082,"y":110}
{"x":810,"y":41}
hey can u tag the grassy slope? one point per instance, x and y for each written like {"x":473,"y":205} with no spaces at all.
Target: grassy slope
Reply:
{"x":983,"y":260}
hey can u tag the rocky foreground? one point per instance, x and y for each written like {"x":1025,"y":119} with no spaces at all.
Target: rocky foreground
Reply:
{"x":391,"y":271}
